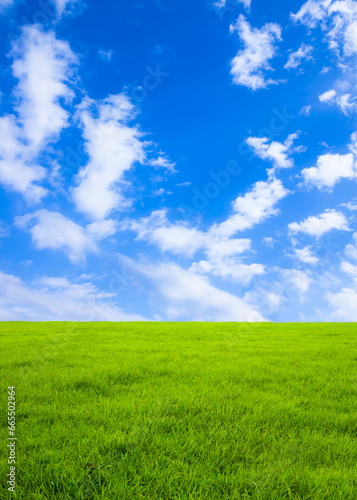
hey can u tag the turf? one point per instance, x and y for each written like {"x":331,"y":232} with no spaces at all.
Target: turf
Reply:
{"x":181,"y":410}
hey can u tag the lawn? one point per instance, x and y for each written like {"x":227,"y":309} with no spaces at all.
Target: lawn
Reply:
{"x":181,"y":410}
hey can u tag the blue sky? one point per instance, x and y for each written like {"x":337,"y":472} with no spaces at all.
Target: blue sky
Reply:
{"x":181,"y":161}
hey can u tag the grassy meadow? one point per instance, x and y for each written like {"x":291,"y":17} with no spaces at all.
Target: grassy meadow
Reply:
{"x":181,"y":410}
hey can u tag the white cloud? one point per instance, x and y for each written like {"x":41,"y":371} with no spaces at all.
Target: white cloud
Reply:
{"x":325,"y":70}
{"x":221,"y":4}
{"x":336,"y":17}
{"x":295,"y":58}
{"x":105,"y":55}
{"x":350,"y":205}
{"x":176,"y":238}
{"x":57,"y":299}
{"x":351,"y":38}
{"x":350,"y":269}
{"x":221,"y":248}
{"x":344,"y":304}
{"x":275,"y":300}
{"x":51,"y":230}
{"x":269,"y":300}
{"x":224,"y":260}
{"x":159,"y":192}
{"x":102,"y":229}
{"x":353,"y":145}
{"x":230,"y":268}
{"x":62,"y":5}
{"x":311,"y":12}
{"x":276,"y":152}
{"x":54,"y":282}
{"x":318,"y":226}
{"x":18,"y":169}
{"x":344,"y":13}
{"x":251,"y":62}
{"x":179,"y":239}
{"x":221,"y":251}
{"x":306,"y":255}
{"x":184,"y":184}
{"x":300,"y":280}
{"x":351,"y":250}
{"x":268,"y":241}
{"x":113,"y":148}
{"x":330,"y":169}
{"x":163,"y":162}
{"x":4,"y":231}
{"x":305,"y":111}
{"x":342,"y":101}
{"x":328,"y":96}
{"x":4,"y":4}
{"x":345,"y":104}
{"x":253,"y":208}
{"x":183,"y":295}
{"x":43,"y":67}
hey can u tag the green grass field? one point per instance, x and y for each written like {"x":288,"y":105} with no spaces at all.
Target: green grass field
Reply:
{"x":181,"y":411}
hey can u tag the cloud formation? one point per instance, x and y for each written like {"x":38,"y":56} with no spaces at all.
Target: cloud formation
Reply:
{"x":57,"y":299}
{"x":222,"y":250}
{"x":295,"y":59}
{"x":183,"y":295}
{"x":343,"y":304}
{"x":306,"y":255}
{"x":54,"y":231}
{"x":113,"y":147}
{"x":338,"y":18}
{"x":248,"y":67}
{"x":319,"y":225}
{"x":43,"y":66}
{"x":278,"y":153}
{"x":330,"y":170}
{"x":254,"y":207}
{"x":62,"y":5}
{"x":344,"y":101}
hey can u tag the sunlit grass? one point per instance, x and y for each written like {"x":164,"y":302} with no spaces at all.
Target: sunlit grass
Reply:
{"x":181,"y":411}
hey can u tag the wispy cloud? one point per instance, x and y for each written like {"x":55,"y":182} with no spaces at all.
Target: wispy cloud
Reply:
{"x":183,"y":295}
{"x":343,"y":304}
{"x":306,"y":255}
{"x":162,"y":161}
{"x":4,"y":4}
{"x":51,"y":230}
{"x":222,"y":250}
{"x":222,"y":4}
{"x":63,"y":5}
{"x":300,"y":280}
{"x":296,"y":58}
{"x":57,"y":299}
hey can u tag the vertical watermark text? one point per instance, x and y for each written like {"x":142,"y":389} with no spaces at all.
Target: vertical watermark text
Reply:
{"x":11,"y":417}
